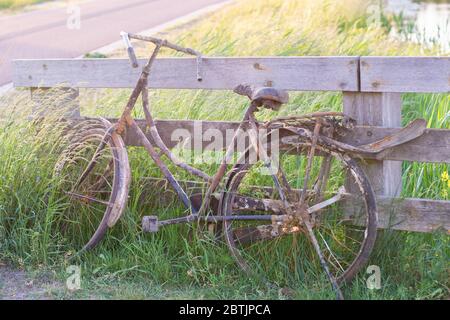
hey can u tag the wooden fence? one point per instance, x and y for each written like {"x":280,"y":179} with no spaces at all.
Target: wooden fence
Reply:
{"x":371,"y":87}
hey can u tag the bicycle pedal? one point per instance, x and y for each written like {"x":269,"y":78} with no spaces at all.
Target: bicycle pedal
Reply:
{"x":150,"y":224}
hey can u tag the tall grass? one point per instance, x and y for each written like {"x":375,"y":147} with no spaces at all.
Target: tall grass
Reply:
{"x":413,"y":265}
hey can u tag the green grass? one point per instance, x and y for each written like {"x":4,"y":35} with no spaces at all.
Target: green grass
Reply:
{"x":167,"y":264}
{"x":16,"y":4}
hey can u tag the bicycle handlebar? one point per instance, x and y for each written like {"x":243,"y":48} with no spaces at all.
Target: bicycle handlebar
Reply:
{"x":162,"y":43}
{"x":165,"y":43}
{"x":130,"y":50}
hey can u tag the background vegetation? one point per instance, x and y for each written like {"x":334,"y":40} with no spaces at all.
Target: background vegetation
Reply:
{"x":168,"y":265}
{"x":14,"y":4}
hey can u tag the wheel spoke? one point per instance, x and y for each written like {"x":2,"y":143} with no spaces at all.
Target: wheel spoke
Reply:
{"x":316,"y":246}
{"x":328,"y":202}
{"x":331,"y":252}
{"x":90,"y":199}
{"x":309,"y":163}
{"x":331,"y":233}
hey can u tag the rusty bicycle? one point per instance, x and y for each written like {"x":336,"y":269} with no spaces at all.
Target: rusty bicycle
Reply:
{"x":280,"y":212}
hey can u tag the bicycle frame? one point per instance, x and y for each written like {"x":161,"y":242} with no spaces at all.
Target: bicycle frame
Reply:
{"x":126,"y":121}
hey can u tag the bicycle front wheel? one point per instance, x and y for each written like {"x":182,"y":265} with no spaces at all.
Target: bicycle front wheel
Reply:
{"x":93,"y":177}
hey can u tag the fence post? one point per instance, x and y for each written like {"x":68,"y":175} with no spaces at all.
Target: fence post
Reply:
{"x":384,"y":110}
{"x":45,"y":99}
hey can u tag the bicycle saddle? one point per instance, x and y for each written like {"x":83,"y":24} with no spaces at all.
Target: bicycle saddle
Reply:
{"x":267,"y":97}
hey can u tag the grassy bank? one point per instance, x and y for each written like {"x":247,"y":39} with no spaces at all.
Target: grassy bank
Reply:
{"x":16,"y":4}
{"x":169,"y":264}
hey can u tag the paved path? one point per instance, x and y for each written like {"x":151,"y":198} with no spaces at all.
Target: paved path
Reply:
{"x":44,"y":33}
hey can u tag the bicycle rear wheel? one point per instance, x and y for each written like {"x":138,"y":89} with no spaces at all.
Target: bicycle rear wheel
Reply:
{"x":93,"y":176}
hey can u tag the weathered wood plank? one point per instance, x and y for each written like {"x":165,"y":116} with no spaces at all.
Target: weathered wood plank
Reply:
{"x":409,"y":214}
{"x":290,"y":73}
{"x":432,"y":146}
{"x":378,"y":109}
{"x":405,"y":74}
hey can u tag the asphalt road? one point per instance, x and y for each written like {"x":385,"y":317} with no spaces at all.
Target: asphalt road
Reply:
{"x":54,"y":33}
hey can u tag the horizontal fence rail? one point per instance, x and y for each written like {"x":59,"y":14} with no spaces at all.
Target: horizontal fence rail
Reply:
{"x":364,"y":74}
{"x":405,"y":74}
{"x":432,"y":146}
{"x":409,"y":214}
{"x":290,"y":73}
